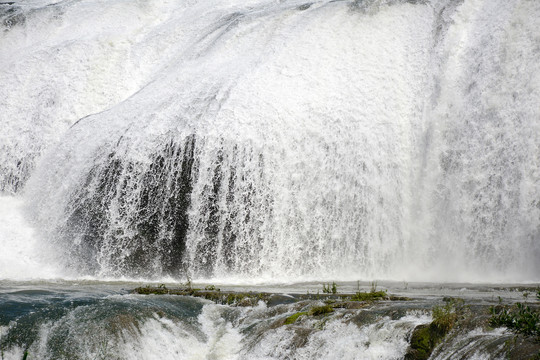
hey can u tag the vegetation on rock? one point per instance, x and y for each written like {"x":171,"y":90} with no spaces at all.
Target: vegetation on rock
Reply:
{"x":370,"y":296}
{"x":292,"y":319}
{"x":314,"y":311}
{"x":426,"y":337}
{"x":330,"y":290}
{"x":212,"y":293}
{"x":519,"y":318}
{"x":216,"y":295}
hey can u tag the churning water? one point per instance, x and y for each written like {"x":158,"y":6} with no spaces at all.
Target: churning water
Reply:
{"x":94,"y":320}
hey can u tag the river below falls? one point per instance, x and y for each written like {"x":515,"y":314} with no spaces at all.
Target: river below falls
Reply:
{"x":91,"y":319}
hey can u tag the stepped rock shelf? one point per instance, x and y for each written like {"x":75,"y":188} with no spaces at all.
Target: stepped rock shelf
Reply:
{"x":452,"y":318}
{"x":251,"y":298}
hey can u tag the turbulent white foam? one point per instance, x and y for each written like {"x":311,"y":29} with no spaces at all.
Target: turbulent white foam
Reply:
{"x":337,"y":339}
{"x":477,"y":344}
{"x":109,"y":329}
{"x":220,"y":339}
{"x":82,"y":333}
{"x":22,"y":256}
{"x":161,"y":337}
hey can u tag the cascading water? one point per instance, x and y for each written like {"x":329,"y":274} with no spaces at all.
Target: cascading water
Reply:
{"x":285,"y":140}
{"x":267,"y":145}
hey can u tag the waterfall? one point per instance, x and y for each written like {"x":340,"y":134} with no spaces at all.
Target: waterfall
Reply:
{"x":275,"y":140}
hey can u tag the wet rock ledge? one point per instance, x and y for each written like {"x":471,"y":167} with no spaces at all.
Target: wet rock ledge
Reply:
{"x":456,"y":325}
{"x":235,"y":298}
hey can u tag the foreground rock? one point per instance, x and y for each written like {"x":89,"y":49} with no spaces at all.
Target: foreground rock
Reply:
{"x":457,"y":329}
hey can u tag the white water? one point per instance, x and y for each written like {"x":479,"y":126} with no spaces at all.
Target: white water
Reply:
{"x":339,"y":339}
{"x":386,"y":140}
{"x":101,"y":330}
{"x":474,"y":345}
{"x":22,"y":255}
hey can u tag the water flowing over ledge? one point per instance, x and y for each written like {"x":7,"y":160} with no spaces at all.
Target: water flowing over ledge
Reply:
{"x":96,"y":320}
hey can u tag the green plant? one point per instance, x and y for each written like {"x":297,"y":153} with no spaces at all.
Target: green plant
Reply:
{"x":315,"y":311}
{"x":292,"y":319}
{"x":444,"y":317}
{"x":373,"y":286}
{"x":426,"y":337}
{"x":210,"y":287}
{"x":519,"y":318}
{"x":370,"y":296}
{"x":327,"y":289}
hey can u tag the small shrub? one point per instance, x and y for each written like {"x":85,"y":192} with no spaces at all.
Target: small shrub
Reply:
{"x":520,"y":319}
{"x":444,"y":317}
{"x":326,"y":289}
{"x":426,"y":337}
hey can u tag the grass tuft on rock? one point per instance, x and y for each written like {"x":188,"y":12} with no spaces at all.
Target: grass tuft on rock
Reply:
{"x":370,"y":296}
{"x":426,"y":337}
{"x":444,"y":317}
{"x":292,"y":319}
{"x":520,"y":319}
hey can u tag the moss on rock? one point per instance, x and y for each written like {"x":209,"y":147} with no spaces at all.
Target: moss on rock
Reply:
{"x":423,"y":340}
{"x":321,"y":310}
{"x":426,"y":337}
{"x":292,"y":319}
